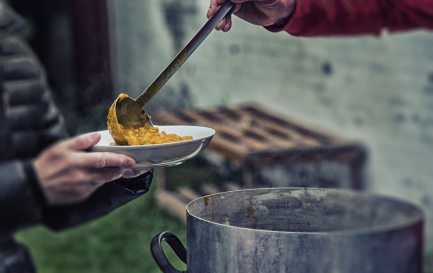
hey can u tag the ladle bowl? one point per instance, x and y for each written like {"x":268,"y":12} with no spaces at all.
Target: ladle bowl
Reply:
{"x":126,"y":112}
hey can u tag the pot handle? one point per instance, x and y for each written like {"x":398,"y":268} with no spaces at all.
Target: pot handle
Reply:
{"x":158,"y":252}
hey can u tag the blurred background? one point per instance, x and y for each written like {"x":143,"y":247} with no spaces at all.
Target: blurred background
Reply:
{"x":376,"y":92}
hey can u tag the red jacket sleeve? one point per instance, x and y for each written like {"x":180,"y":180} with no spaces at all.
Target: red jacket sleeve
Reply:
{"x":354,"y":17}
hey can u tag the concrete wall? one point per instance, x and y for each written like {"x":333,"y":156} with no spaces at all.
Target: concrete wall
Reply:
{"x":379,"y":91}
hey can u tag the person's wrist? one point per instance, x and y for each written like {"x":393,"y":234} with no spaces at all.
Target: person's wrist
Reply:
{"x":288,"y":6}
{"x":35,"y":185}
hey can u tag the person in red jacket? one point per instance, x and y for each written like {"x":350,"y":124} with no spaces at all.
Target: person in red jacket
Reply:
{"x":331,"y":17}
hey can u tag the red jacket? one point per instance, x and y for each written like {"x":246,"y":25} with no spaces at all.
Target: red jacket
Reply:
{"x":353,"y":17}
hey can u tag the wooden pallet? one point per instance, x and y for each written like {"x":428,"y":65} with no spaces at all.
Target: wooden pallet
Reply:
{"x":176,"y":201}
{"x":246,"y":130}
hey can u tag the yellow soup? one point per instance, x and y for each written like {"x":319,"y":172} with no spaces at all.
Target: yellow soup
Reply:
{"x":147,"y":134}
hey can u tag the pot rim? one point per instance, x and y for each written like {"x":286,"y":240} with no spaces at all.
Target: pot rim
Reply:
{"x":417,"y":219}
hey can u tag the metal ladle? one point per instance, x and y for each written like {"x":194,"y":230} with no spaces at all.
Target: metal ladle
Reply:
{"x":128,"y":111}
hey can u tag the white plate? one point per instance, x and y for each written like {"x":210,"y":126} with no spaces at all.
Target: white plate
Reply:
{"x":161,"y":155}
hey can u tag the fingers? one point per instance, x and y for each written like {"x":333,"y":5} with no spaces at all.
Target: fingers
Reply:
{"x":104,"y":160}
{"x":212,"y":8}
{"x":225,"y":24}
{"x":102,"y":176}
{"x":214,"y":4}
{"x":95,"y":159}
{"x":222,"y":24}
{"x":83,"y":142}
{"x":228,"y":25}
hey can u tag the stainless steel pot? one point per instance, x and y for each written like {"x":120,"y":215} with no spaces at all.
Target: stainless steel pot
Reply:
{"x":298,"y":230}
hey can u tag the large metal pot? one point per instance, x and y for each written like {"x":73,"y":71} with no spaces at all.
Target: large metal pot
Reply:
{"x":298,"y":230}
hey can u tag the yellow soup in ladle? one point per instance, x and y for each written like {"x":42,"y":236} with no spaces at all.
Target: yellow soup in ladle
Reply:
{"x":144,"y":135}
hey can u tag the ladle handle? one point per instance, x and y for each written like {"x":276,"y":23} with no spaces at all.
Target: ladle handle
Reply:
{"x":158,"y":252}
{"x":184,"y":54}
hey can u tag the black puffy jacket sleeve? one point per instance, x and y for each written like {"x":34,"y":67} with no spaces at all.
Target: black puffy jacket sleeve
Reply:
{"x":19,"y":206}
{"x":104,"y":200}
{"x":29,"y":122}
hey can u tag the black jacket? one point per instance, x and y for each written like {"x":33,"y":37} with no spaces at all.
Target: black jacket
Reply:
{"x":29,"y":122}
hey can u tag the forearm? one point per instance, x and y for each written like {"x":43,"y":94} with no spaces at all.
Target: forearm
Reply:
{"x":355,"y":17}
{"x":103,"y":201}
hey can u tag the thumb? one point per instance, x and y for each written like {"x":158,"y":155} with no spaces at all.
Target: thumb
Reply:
{"x":82,"y":142}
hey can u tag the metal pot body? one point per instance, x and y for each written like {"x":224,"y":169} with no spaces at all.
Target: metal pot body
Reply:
{"x":303,"y":231}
